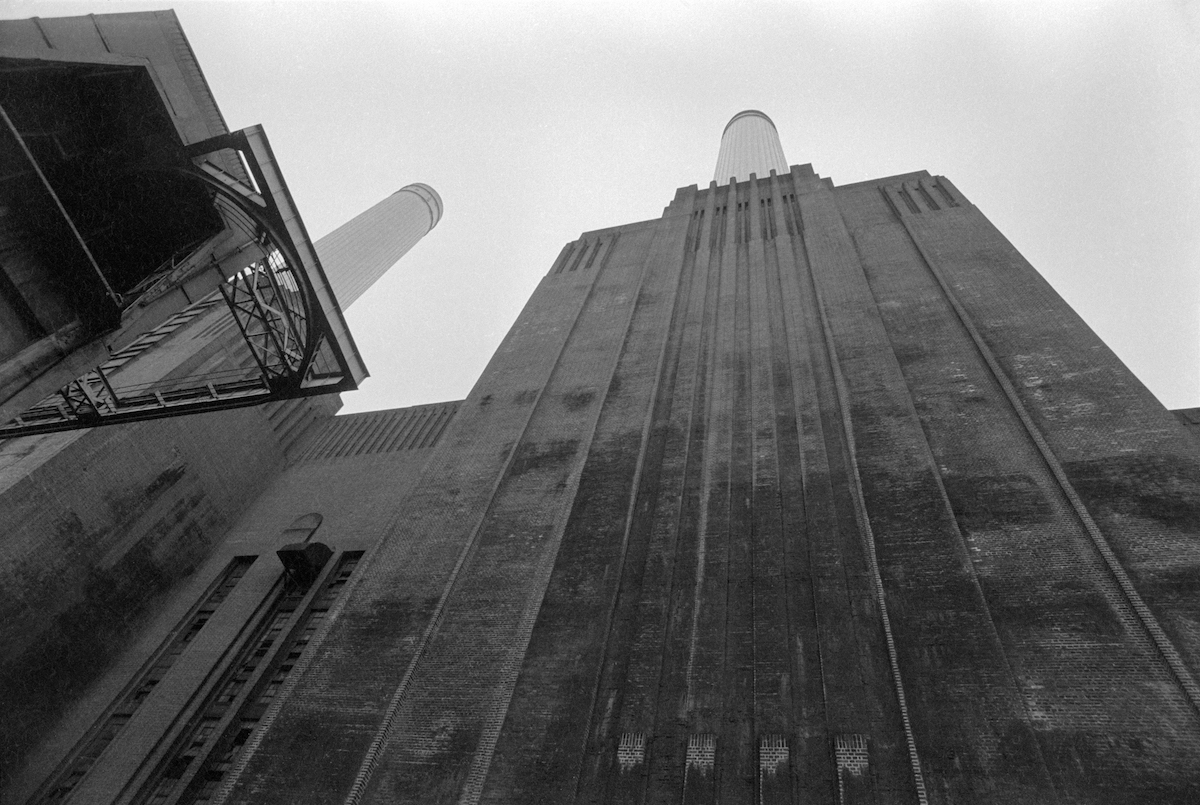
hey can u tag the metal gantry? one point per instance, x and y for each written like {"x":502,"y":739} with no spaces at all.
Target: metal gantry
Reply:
{"x":276,"y":329}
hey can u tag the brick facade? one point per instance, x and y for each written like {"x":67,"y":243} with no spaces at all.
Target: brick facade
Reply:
{"x":796,"y":494}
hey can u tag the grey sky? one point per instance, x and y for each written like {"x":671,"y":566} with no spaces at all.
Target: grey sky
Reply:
{"x":1074,"y":126}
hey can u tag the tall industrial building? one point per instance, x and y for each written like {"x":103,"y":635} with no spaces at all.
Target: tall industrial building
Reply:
{"x":798,"y":493}
{"x":100,"y":524}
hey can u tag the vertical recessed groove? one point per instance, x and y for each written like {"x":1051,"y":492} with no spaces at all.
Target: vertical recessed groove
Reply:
{"x":413,"y":437}
{"x":403,"y":438}
{"x":100,"y":33}
{"x":171,"y":779}
{"x":321,"y":610}
{"x":277,"y":410}
{"x":419,"y":426}
{"x":925,"y":195}
{"x":623,"y":560}
{"x":435,"y":433}
{"x":964,"y":547}
{"x":367,"y":432}
{"x":348,"y":436}
{"x":717,"y":224}
{"x":793,"y":314}
{"x":359,"y":432}
{"x":439,"y":422}
{"x":383,"y":733}
{"x":305,"y":426}
{"x":421,"y":433}
{"x":387,"y":438}
{"x":90,"y":748}
{"x":583,"y":247}
{"x":592,"y":256}
{"x":497,"y":712}
{"x":376,"y":423}
{"x":642,"y":675}
{"x":321,"y":443}
{"x":941,"y":188}
{"x":1158,"y":637}
{"x":418,"y":437}
{"x":561,"y":262}
{"x":684,"y":390}
{"x":428,"y":428}
{"x":842,"y":396}
{"x":335,"y":434}
{"x":380,"y":434}
{"x":290,"y":427}
{"x":891,"y":196}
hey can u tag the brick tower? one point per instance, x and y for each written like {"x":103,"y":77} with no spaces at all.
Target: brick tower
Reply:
{"x":796,"y":494}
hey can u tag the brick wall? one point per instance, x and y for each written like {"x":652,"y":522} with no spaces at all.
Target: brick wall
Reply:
{"x":98,"y":526}
{"x":796,"y":494}
{"x":234,"y":496}
{"x":800,"y":493}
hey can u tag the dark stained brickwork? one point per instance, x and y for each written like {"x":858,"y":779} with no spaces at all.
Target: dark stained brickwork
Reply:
{"x":252,"y":504}
{"x":797,"y":494}
{"x":97,"y":527}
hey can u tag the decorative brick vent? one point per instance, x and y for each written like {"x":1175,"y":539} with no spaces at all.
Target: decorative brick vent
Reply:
{"x":922,"y":196}
{"x":772,"y":753}
{"x":851,"y":754}
{"x":702,"y":751}
{"x":631,"y":751}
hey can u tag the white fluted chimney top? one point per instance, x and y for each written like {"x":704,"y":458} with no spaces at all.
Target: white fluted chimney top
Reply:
{"x":749,"y":144}
{"x":360,"y":251}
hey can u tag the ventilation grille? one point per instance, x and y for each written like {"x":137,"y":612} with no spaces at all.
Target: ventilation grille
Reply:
{"x":216,"y":737}
{"x":237,"y":740}
{"x":580,"y":255}
{"x":85,"y":755}
{"x":923,"y":196}
{"x":413,"y":428}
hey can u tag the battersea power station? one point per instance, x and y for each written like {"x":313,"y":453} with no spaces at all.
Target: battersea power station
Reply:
{"x":799,"y":493}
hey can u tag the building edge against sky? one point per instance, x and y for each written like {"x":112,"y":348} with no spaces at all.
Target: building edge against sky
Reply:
{"x":71,"y":303}
{"x":782,"y":414}
{"x":785,"y":414}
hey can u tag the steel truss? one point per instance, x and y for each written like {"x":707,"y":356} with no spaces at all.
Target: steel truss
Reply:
{"x":289,"y":348}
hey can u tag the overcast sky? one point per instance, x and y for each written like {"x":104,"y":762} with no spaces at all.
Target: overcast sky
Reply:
{"x":1075,"y":127}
